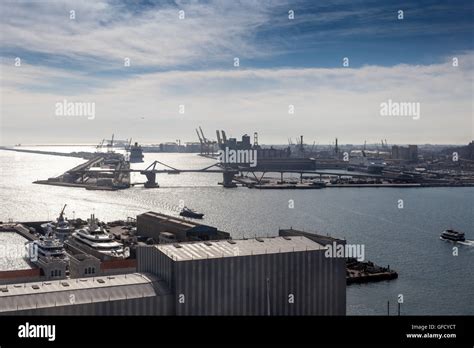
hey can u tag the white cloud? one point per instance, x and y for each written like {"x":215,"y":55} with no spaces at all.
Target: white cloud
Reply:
{"x":329,"y":103}
{"x":106,"y":32}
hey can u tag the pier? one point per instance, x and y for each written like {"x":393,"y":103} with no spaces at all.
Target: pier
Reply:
{"x":110,"y":171}
{"x":357,"y":272}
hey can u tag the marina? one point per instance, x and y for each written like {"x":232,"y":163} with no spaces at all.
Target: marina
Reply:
{"x":106,"y":242}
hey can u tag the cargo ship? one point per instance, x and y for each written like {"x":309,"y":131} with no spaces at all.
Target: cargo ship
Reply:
{"x":136,"y":153}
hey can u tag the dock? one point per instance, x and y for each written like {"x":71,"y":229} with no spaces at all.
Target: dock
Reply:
{"x":108,"y":172}
{"x":367,"y":272}
{"x":357,"y":272}
{"x":20,"y":229}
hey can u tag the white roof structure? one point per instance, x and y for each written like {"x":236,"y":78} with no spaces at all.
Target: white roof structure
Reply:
{"x":233,"y":248}
{"x":65,"y":292}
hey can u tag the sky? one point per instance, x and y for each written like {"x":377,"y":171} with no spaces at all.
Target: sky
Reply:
{"x":291,"y":79}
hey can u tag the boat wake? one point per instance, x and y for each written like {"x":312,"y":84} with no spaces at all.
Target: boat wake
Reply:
{"x":467,"y":243}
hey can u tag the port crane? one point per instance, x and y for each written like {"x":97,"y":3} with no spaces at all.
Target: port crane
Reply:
{"x":206,"y":144}
{"x":61,"y":215}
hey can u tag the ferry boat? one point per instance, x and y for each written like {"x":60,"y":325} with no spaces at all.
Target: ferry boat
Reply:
{"x":453,"y":235}
{"x":187,"y":212}
{"x":94,"y":240}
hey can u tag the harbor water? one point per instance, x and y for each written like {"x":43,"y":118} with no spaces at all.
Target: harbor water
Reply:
{"x":433,"y":278}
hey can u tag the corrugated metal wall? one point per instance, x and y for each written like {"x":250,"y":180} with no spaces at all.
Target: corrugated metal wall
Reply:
{"x":299,"y":283}
{"x":238,"y":285}
{"x":151,"y":260}
{"x":156,"y":305}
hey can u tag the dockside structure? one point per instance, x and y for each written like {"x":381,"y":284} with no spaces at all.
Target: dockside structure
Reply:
{"x":262,"y":276}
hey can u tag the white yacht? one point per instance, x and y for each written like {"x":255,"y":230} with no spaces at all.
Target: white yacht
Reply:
{"x":94,"y":240}
{"x":46,"y":248}
{"x":61,"y":228}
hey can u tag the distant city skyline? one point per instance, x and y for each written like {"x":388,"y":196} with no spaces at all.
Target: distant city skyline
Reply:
{"x":154,"y":74}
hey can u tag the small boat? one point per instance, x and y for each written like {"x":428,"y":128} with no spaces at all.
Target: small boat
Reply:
{"x":453,"y":235}
{"x":187,"y":212}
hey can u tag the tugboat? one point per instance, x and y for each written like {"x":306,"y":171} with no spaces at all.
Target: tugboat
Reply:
{"x":453,"y":235}
{"x":187,"y":212}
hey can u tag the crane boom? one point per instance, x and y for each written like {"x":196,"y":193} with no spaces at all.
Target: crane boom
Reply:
{"x":199,"y":137}
{"x":202,"y":133}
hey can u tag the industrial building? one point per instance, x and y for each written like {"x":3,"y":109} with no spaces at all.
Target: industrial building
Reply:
{"x":409,"y":153}
{"x":127,"y":294}
{"x":155,"y":225}
{"x":287,"y":275}
{"x":262,"y":276}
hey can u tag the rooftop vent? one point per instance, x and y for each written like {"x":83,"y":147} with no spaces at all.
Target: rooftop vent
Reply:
{"x":286,"y":237}
{"x":101,"y":281}
{"x":36,"y":287}
{"x":176,"y":245}
{"x":259,"y":240}
{"x":208,"y":243}
{"x":4,"y":289}
{"x":65,"y":284}
{"x":230,"y":241}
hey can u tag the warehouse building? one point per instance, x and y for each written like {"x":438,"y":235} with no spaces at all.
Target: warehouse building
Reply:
{"x":152,"y":225}
{"x":127,"y":294}
{"x":287,"y":275}
{"x":262,"y":276}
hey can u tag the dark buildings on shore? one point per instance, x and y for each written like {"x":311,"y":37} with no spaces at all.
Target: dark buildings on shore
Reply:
{"x":262,"y":276}
{"x":267,"y":159}
{"x":409,"y":153}
{"x":161,"y":227}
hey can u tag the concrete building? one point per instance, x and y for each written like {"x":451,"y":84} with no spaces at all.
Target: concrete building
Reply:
{"x":193,"y":147}
{"x":409,"y":153}
{"x":83,"y":265}
{"x":263,"y":276}
{"x":52,"y":269}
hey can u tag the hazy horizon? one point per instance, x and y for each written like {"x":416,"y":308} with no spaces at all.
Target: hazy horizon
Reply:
{"x":154,"y":74}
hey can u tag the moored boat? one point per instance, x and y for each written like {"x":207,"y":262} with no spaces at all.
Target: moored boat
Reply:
{"x":187,"y":212}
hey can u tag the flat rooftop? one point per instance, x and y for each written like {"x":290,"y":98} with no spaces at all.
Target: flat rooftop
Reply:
{"x":318,"y":238}
{"x":51,"y":293}
{"x":241,"y":247}
{"x":170,"y":219}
